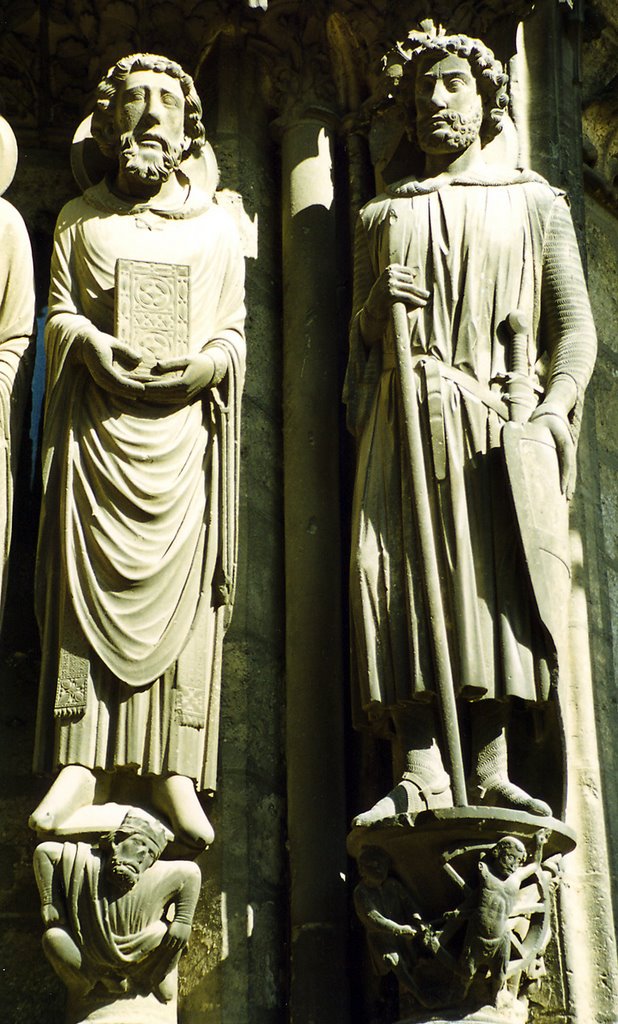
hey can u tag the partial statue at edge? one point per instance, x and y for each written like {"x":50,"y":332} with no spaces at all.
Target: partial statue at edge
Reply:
{"x":471,"y":346}
{"x":17,"y":311}
{"x":138,"y":537}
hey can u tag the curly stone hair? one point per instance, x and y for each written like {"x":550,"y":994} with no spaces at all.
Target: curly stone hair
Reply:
{"x":490,"y":76}
{"x":509,"y":844}
{"x":107,"y":90}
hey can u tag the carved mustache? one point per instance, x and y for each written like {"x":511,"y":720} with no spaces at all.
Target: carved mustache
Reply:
{"x":130,"y":142}
{"x":146,"y":162}
{"x":451,"y":118}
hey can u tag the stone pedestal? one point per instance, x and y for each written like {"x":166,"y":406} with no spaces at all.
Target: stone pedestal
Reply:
{"x":463,"y":912}
{"x":96,"y":1008}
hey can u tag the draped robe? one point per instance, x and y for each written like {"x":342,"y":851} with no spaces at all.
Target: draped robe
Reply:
{"x":483,"y":247}
{"x":116,"y":935}
{"x":16,"y":333}
{"x":137,"y":543}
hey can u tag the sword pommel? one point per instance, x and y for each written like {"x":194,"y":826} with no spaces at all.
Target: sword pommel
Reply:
{"x":518,"y":322}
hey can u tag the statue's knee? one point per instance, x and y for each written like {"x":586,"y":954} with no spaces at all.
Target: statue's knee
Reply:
{"x":58,"y":945}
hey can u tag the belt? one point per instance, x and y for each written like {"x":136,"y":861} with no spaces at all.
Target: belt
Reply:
{"x":433,"y":371}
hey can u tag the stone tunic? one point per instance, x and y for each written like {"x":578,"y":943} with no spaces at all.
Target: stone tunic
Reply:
{"x":483,"y":249}
{"x":116,"y":933}
{"x":137,"y":543}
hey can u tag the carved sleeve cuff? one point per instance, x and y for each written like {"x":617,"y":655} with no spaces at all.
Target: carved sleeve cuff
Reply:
{"x":219,"y":358}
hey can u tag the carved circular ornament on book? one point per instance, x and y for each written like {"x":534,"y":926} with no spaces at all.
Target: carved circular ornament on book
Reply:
{"x":90,"y":166}
{"x":8,"y":155}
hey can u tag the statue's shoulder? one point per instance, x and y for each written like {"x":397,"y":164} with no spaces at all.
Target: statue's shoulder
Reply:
{"x":74,"y":212}
{"x":9,"y":216}
{"x":14,"y":232}
{"x":376,"y":209}
{"x":536,"y":185}
{"x":543,"y":199}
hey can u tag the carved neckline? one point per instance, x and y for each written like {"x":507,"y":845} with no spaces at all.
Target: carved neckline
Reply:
{"x":102,"y":197}
{"x":486,"y":177}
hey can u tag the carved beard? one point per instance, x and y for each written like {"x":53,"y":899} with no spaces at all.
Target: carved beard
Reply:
{"x":123,"y":874}
{"x":152,"y":165}
{"x":455,"y":135}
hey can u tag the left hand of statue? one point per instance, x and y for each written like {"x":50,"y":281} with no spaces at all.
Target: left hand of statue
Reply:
{"x":177,"y":936}
{"x":51,"y":915}
{"x":197,"y":374}
{"x":557,"y":424}
{"x":541,"y":837}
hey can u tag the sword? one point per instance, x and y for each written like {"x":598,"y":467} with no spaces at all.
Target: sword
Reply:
{"x":520,"y":386}
{"x":412,"y":434}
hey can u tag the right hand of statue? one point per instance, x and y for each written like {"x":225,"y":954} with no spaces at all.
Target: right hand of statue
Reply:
{"x":51,"y":915}
{"x":177,"y":936}
{"x":405,"y":929}
{"x":105,"y":356}
{"x":395,"y":284}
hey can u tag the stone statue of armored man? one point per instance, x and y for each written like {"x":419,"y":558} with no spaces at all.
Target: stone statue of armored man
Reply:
{"x":138,"y":535}
{"x":471,"y":346}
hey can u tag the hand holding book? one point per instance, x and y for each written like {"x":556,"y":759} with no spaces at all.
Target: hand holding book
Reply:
{"x":197,"y":373}
{"x":105,"y":357}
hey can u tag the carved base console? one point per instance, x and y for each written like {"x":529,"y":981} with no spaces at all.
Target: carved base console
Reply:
{"x":117,"y":915}
{"x":516,"y":1014}
{"x":98,"y":1009}
{"x":457,"y":904}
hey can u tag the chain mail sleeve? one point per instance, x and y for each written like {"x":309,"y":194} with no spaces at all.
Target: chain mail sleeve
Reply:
{"x":569,"y":327}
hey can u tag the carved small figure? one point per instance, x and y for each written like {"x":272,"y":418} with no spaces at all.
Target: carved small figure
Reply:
{"x":104,"y":910}
{"x":470,"y":310}
{"x":385,"y":909}
{"x":137,"y":547}
{"x":489,"y":908}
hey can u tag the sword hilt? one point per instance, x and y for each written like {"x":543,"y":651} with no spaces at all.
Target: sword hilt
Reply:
{"x":520,"y":385}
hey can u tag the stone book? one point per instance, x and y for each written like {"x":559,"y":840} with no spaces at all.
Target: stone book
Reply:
{"x":152,"y":309}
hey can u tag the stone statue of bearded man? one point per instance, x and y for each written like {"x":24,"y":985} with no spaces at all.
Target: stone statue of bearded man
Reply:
{"x":104,"y":910}
{"x":455,"y":274}
{"x":138,"y":535}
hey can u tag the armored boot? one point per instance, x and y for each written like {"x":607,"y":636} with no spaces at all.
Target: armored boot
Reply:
{"x":489,"y":783}
{"x":423,"y":784}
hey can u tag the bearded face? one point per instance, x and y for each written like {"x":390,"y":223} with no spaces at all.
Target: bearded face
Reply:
{"x":151,"y":158}
{"x":448,"y":105}
{"x":129,"y":856}
{"x":448,"y":131}
{"x":149,"y":114}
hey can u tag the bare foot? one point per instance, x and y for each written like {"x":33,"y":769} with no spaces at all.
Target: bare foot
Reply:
{"x":175,"y":796}
{"x":74,"y":788}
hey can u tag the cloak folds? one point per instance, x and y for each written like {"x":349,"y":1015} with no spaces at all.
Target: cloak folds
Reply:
{"x":483,"y":248}
{"x":117,"y":935}
{"x":137,"y":544}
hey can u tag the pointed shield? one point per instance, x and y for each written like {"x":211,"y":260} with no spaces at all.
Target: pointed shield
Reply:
{"x":542,"y":516}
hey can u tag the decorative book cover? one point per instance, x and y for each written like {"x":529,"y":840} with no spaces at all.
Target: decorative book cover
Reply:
{"x":152,"y":309}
